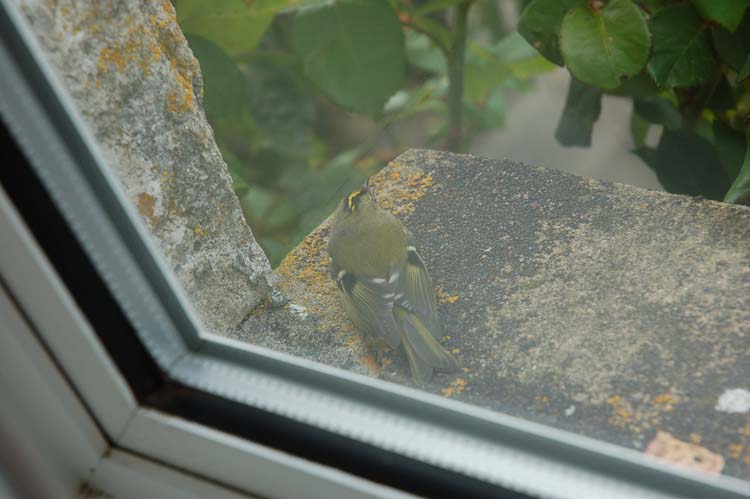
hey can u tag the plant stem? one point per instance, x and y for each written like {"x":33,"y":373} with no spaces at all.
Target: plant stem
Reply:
{"x":455,"y":59}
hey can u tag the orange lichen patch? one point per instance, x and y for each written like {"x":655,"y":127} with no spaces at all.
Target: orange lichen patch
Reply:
{"x":144,"y":43}
{"x":695,"y":438}
{"x":621,"y":409}
{"x":667,"y":448}
{"x":370,"y":363}
{"x":146,"y":206}
{"x":735,"y":450}
{"x":444,"y":297}
{"x":665,"y":401}
{"x":200,"y":231}
{"x":457,"y":386}
{"x":397,"y":188}
{"x":305,"y":279}
{"x":456,"y":351}
{"x":168,"y":9}
{"x":158,"y":22}
{"x":182,"y":99}
{"x":119,"y":56}
{"x":641,"y":414}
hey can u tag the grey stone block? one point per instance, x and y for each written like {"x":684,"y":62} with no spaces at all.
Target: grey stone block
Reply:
{"x":604,"y":309}
{"x":128,"y":69}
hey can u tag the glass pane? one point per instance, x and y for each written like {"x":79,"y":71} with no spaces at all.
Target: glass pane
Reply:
{"x":607,"y":309}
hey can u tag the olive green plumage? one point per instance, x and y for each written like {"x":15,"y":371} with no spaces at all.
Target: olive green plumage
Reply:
{"x":384,"y":284}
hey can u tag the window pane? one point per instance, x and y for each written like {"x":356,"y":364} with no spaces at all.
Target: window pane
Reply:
{"x":621,"y":313}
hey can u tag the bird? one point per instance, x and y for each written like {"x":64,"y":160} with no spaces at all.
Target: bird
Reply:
{"x":384,"y":284}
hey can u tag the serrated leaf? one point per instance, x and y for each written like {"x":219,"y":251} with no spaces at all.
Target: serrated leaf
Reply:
{"x":728,"y":13}
{"x":582,"y":108}
{"x":682,"y":52}
{"x":686,"y":163}
{"x":739,"y":192}
{"x":603,"y":46}
{"x":353,"y":50}
{"x":234,"y":25}
{"x":222,"y":81}
{"x":540,"y":25}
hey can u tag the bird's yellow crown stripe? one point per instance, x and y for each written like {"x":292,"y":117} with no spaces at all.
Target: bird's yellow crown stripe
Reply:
{"x":352,"y":196}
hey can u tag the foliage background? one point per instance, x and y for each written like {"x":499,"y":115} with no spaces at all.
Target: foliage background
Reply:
{"x":307,"y":97}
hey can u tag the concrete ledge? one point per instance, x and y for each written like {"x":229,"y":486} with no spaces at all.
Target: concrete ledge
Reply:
{"x":604,"y":309}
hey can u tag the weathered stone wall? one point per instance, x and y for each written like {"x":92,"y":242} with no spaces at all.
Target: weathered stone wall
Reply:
{"x":137,"y":85}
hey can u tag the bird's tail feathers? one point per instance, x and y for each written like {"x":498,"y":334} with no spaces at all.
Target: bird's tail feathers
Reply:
{"x":424,"y":352}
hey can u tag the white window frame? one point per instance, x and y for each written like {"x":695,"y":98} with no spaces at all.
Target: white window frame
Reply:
{"x":135,"y":450}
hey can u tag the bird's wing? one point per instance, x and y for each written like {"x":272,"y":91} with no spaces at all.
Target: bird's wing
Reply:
{"x":418,"y":294}
{"x":369,"y":303}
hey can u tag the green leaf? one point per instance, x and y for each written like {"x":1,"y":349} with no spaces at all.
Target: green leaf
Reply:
{"x":520,"y":57}
{"x":638,"y":129}
{"x":435,"y":29}
{"x":282,"y":108}
{"x":280,"y":215}
{"x":647,"y":154}
{"x":640,"y":85}
{"x":433,"y":5}
{"x":731,"y":148}
{"x":234,"y":25}
{"x":739,"y":192}
{"x":745,"y":71}
{"x":422,"y":53}
{"x":686,"y":163}
{"x":658,"y":111}
{"x":257,"y":200}
{"x":728,"y":13}
{"x":310,"y":188}
{"x":731,"y":47}
{"x":481,"y":79}
{"x":603,"y":46}
{"x":540,"y":25}
{"x":722,"y":97}
{"x":682,"y":53}
{"x":222,"y":81}
{"x":235,"y":165}
{"x":353,"y":50}
{"x":492,"y":113}
{"x":582,"y":108}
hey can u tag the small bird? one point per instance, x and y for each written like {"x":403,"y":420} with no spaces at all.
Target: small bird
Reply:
{"x":384,"y":284}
